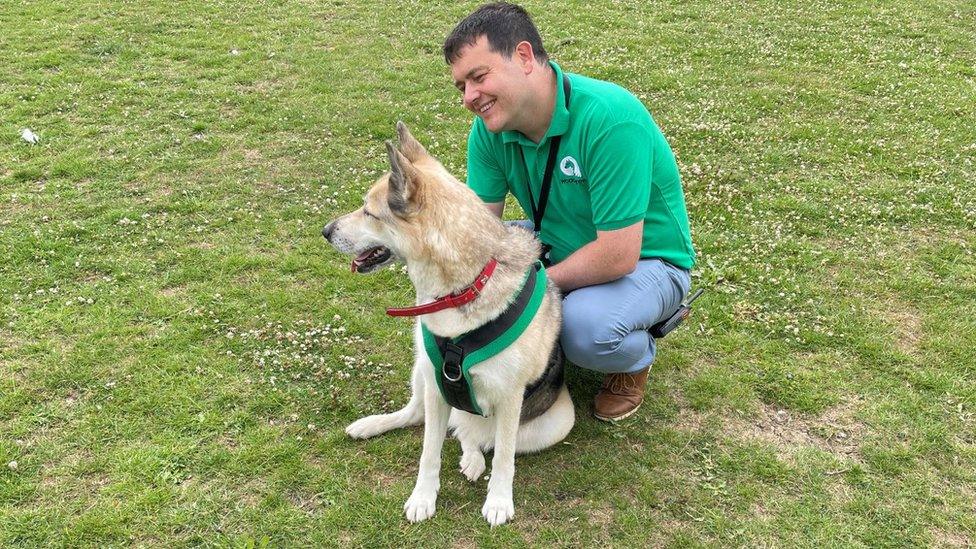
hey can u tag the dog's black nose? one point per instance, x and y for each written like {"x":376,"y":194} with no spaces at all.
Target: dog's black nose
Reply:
{"x":327,"y":231}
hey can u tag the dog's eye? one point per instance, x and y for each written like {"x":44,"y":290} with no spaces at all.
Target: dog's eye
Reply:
{"x":368,"y":214}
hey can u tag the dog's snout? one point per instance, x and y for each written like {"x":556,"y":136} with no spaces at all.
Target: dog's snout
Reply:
{"x":328,"y":230}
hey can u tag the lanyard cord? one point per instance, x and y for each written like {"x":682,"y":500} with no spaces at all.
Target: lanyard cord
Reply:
{"x":538,"y":212}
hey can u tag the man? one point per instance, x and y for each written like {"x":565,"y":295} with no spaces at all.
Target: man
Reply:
{"x":615,"y":217}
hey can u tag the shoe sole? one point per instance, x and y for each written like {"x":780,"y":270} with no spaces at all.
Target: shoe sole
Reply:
{"x":617,"y":418}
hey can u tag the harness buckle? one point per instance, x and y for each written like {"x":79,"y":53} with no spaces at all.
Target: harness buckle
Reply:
{"x":453,"y":359}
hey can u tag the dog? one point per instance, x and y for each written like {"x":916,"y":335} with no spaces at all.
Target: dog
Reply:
{"x":419,"y":214}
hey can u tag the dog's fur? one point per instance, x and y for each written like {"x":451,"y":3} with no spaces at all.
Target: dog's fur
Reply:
{"x":420,"y":214}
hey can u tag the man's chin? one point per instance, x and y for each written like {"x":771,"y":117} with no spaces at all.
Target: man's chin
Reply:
{"x":493,"y":124}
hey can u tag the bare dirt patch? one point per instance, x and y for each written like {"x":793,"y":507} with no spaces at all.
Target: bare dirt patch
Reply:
{"x":835,"y":431}
{"x":61,"y":477}
{"x":253,"y":156}
{"x":840,"y":493}
{"x":173,"y":291}
{"x":385,"y":482}
{"x":760,"y":512}
{"x":600,"y":514}
{"x":906,"y":323}
{"x":464,"y":543}
{"x":308,"y":503}
{"x":598,"y":519}
{"x":252,"y":493}
{"x":941,"y":538}
{"x":11,"y":341}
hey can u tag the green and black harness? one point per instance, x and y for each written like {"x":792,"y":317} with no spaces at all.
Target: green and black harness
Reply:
{"x":453,"y":358}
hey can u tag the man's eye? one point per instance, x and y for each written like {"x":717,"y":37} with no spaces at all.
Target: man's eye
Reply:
{"x":479,"y":78}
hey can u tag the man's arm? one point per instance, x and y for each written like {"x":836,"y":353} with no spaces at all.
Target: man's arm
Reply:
{"x":619,"y":171}
{"x":612,"y":255}
{"x":497,"y":208}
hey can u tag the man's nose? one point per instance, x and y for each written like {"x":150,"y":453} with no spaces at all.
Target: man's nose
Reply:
{"x":471,"y":94}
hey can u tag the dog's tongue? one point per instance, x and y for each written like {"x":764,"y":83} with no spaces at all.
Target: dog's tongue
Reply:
{"x":359,"y":260}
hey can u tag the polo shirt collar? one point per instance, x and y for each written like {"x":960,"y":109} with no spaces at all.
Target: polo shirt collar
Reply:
{"x":560,"y":116}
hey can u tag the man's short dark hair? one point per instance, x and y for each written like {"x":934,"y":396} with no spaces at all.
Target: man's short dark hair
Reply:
{"x":504,"y":24}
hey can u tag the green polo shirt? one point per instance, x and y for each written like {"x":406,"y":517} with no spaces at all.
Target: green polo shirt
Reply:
{"x":613,"y":169}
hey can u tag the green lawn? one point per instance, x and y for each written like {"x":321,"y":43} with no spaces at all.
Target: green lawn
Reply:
{"x":180,"y":350}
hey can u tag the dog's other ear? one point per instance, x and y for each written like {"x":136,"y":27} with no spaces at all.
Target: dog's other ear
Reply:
{"x":403,"y":182}
{"x":410,"y":147}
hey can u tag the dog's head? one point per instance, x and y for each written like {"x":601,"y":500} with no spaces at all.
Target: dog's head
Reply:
{"x":389,"y":225}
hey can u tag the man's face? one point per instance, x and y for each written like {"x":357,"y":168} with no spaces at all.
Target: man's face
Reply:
{"x":492,"y":85}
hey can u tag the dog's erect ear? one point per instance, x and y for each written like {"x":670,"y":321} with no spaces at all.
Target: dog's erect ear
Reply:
{"x":410,"y":147}
{"x":403,"y":182}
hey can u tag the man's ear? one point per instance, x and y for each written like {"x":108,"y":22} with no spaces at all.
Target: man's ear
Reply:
{"x":525,"y":56}
{"x":410,"y":147}
{"x":403,"y":183}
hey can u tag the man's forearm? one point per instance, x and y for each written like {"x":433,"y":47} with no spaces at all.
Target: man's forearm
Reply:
{"x":587,"y":266}
{"x":497,"y":208}
{"x":612,"y":255}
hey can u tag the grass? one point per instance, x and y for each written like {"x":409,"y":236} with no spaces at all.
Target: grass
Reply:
{"x":179,"y":349}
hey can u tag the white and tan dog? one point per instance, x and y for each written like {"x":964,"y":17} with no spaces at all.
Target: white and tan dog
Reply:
{"x":420,"y":214}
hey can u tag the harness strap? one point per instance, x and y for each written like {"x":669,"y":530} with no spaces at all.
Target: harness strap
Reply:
{"x":454,"y":357}
{"x":536,"y":399}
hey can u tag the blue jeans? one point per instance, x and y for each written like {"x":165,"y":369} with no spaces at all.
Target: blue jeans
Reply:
{"x":605,"y":326}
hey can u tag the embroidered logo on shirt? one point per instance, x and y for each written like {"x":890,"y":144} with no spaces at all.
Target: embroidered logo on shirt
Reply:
{"x":570,"y":167}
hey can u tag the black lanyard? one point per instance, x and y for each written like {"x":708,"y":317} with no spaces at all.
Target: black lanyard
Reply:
{"x":538,"y":212}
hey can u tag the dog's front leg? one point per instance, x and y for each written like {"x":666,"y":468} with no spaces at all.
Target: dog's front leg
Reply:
{"x":499,"y":506}
{"x":423,"y":500}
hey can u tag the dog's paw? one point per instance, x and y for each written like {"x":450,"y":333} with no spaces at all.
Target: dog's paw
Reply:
{"x":420,"y":506}
{"x":472,"y":465}
{"x":498,"y":510}
{"x":367,"y":427}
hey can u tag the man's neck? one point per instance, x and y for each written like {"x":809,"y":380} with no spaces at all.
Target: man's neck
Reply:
{"x":537,"y":129}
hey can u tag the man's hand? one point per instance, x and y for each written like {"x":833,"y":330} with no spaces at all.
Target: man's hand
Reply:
{"x":612,"y":255}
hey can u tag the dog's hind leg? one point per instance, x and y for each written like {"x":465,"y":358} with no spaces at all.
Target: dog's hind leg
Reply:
{"x":411,"y":414}
{"x":472,"y":461}
{"x":499,"y":506}
{"x":549,"y":428}
{"x":473,"y":434}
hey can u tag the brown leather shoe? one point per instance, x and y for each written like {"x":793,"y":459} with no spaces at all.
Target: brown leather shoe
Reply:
{"x":620,"y":395}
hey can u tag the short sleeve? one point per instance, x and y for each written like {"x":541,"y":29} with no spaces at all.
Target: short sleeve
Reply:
{"x":620,"y":165}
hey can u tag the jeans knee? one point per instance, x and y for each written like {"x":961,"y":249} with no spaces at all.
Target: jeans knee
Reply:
{"x":578,"y":337}
{"x":579,"y":351}
{"x":604,"y":349}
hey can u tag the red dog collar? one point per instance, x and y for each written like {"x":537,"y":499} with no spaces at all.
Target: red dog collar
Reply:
{"x":467,"y":295}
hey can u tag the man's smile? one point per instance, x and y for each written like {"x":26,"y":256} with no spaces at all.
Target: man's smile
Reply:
{"x":484,"y":108}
